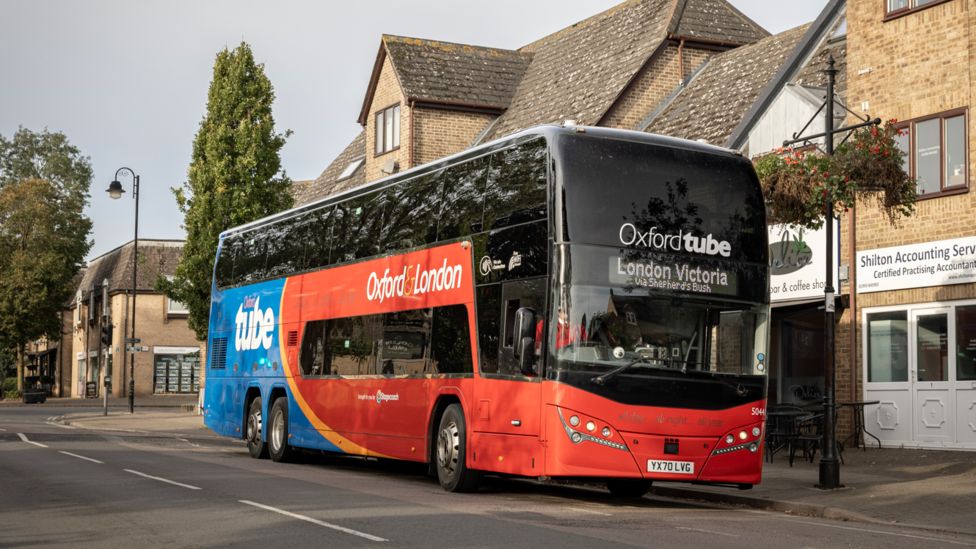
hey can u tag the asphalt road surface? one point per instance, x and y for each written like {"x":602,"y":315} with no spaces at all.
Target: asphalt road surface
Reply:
{"x":70,"y":487}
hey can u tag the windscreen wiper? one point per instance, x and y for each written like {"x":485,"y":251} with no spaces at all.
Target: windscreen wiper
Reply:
{"x":602,"y":379}
{"x":737,"y":387}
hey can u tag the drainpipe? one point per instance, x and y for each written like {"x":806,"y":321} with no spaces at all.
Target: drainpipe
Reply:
{"x":852,"y":288}
{"x":410,"y":149}
{"x":681,"y":62}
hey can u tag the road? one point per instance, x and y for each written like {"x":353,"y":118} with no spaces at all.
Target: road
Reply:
{"x":63,"y":487}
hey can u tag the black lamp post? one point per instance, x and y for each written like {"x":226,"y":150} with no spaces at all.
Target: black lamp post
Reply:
{"x":115,"y":191}
{"x":829,"y":464}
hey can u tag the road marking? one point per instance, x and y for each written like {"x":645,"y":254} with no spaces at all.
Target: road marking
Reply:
{"x":703,"y":531}
{"x":61,"y":425}
{"x":871,"y":531}
{"x":80,"y":457}
{"x":160,"y":479}
{"x":24,"y":438}
{"x":313,"y":521}
{"x":581,"y":510}
{"x":4,"y":430}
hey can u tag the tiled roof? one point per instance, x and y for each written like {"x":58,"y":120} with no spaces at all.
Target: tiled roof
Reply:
{"x":157,"y":258}
{"x":328,"y":183}
{"x":717,"y":98}
{"x":455,"y":74}
{"x":812,"y":75}
{"x":578,"y":72}
{"x":717,"y":21}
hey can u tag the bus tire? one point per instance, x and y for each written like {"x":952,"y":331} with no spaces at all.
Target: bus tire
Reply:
{"x":252,"y":431}
{"x":628,"y":488}
{"x":451,"y":453}
{"x":278,"y":445}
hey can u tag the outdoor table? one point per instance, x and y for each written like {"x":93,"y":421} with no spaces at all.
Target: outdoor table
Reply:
{"x":781,"y":430}
{"x":857,"y":411}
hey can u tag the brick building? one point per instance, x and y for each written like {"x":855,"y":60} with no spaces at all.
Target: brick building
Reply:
{"x":168,"y":359}
{"x":430,"y":99}
{"x":916,"y":282}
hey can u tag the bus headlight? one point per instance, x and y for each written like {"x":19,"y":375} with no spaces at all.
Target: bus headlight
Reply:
{"x":605,"y":432}
{"x":574,"y":420}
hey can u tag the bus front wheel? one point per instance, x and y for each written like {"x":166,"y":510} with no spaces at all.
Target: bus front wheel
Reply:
{"x":252,"y":431}
{"x":628,"y":488}
{"x":278,"y":445}
{"x":452,"y":471}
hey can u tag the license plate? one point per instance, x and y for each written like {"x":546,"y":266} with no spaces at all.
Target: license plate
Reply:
{"x":673,"y":467}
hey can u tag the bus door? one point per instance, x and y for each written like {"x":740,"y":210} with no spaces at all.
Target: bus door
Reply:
{"x":508,"y":399}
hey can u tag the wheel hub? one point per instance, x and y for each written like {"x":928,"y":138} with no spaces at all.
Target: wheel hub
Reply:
{"x":448,"y":447}
{"x":277,"y":431}
{"x":254,"y":427}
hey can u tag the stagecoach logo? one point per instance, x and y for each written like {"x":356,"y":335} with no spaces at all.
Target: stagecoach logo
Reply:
{"x":488,"y":264}
{"x":681,"y":242}
{"x":254,"y":327}
{"x":413,"y":281}
{"x":379,"y":397}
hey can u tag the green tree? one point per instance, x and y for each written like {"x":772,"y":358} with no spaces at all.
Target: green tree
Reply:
{"x":235,"y":175}
{"x":44,"y":183}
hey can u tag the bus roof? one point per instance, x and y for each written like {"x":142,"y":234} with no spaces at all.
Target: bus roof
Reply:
{"x":547,"y":131}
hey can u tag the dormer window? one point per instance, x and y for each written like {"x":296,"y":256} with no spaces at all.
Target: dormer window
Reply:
{"x":388,"y":129}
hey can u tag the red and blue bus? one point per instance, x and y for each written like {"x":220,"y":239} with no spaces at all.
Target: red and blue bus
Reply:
{"x":566,"y":302}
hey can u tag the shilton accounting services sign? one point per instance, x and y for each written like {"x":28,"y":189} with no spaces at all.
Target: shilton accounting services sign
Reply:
{"x":938,"y":263}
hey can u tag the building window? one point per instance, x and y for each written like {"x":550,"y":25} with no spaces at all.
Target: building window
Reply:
{"x":174,"y":307}
{"x":936,"y":152}
{"x":388,"y":129}
{"x":897,"y":8}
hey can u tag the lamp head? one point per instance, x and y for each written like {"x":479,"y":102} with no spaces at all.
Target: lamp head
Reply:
{"x":115,"y":190}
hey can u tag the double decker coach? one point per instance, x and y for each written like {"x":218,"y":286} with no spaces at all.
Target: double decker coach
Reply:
{"x":567,"y":302}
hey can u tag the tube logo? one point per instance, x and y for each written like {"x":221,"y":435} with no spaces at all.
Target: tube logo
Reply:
{"x":413,"y":281}
{"x":681,"y":242}
{"x":254,"y":327}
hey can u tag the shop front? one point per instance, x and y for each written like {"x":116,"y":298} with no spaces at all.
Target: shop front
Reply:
{"x":176,"y":370}
{"x":797,"y":260}
{"x":919,"y":359}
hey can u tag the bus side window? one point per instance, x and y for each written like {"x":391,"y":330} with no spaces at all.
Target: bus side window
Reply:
{"x":405,"y":340}
{"x":314,"y":355}
{"x":516,"y":295}
{"x":451,"y":341}
{"x":516,"y":188}
{"x":353,"y":344}
{"x":366,"y":225}
{"x":462,"y":208}
{"x":411,"y":215}
{"x":314,"y":234}
{"x":343,"y":246}
{"x":225,"y":262}
{"x":249,"y":262}
{"x":489,"y":322}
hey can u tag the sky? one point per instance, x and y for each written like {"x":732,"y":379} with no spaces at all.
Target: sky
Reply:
{"x":126,"y":81}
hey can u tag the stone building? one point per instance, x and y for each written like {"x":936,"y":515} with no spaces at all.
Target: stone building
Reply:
{"x":167,"y":357}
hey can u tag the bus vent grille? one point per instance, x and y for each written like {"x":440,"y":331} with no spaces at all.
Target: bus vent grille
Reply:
{"x":218,"y":353}
{"x":293,"y":338}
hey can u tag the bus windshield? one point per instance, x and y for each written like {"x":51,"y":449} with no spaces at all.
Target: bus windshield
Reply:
{"x":600,"y":328}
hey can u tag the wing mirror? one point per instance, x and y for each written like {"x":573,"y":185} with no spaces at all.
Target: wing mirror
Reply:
{"x":524,"y":337}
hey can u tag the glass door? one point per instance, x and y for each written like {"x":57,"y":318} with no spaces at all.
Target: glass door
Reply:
{"x":965,"y":370}
{"x":933,"y":374}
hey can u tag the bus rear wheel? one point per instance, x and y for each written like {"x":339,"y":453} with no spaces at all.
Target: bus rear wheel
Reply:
{"x":252,"y":431}
{"x":278,"y":445}
{"x":628,"y":488}
{"x":452,"y":471}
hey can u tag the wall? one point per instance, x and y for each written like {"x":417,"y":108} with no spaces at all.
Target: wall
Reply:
{"x":387,"y":93}
{"x":653,"y":84}
{"x":440,"y":133}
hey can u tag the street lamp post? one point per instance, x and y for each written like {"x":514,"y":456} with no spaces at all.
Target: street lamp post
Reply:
{"x":115,"y":191}
{"x":829,"y":463}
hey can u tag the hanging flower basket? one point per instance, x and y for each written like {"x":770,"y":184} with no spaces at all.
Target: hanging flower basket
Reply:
{"x":797,"y":183}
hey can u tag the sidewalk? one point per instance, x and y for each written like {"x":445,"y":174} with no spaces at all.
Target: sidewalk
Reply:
{"x":185,"y":402}
{"x":932,"y":489}
{"x":923,"y":488}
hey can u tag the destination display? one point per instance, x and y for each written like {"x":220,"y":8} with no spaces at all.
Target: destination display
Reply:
{"x":939,"y":263}
{"x":679,"y":276}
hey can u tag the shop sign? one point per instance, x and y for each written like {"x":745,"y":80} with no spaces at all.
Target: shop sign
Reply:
{"x":797,"y":262}
{"x":939,"y":263}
